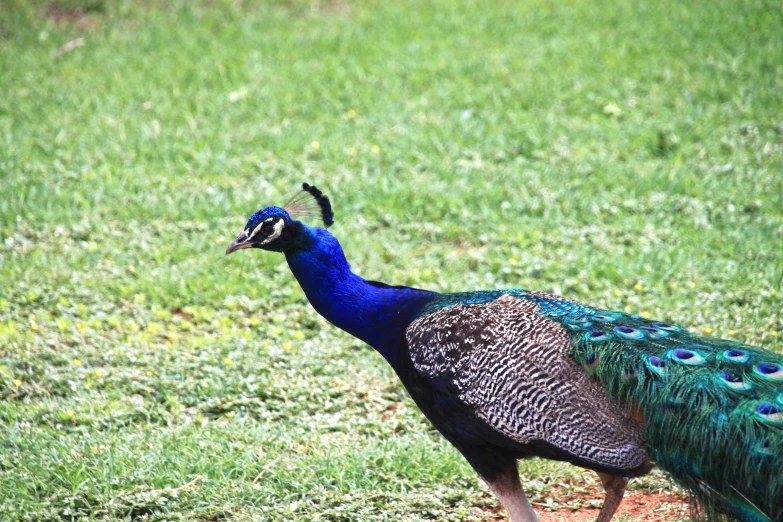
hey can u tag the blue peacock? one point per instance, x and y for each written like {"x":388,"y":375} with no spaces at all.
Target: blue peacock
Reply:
{"x":510,"y":374}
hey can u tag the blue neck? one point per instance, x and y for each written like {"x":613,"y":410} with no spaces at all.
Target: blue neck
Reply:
{"x":378,"y":315}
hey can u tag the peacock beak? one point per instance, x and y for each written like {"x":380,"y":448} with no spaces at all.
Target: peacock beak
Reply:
{"x":242,"y":241}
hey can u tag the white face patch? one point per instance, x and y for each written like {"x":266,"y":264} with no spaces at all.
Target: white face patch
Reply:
{"x":278,"y":229}
{"x":258,"y":228}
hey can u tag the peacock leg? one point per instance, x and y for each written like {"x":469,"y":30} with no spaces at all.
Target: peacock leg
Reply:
{"x":508,"y":489}
{"x":498,"y":468}
{"x":614,"y":485}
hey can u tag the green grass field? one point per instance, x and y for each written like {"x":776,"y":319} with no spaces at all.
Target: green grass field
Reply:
{"x":628,"y":156}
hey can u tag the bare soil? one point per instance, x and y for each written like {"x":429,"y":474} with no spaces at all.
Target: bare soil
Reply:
{"x":640,"y":506}
{"x":583,"y":502}
{"x":80,"y":18}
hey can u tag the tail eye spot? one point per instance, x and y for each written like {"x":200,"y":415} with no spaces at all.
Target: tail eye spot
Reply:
{"x":770,"y":371}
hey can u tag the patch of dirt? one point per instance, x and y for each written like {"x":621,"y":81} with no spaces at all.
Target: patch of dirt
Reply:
{"x":319,"y":7}
{"x":177,"y":312}
{"x":639,"y":506}
{"x":78,"y":17}
{"x":581,"y":503}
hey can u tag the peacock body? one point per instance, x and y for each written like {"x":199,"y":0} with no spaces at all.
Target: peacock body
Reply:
{"x":709,"y":411}
{"x":509,"y":374}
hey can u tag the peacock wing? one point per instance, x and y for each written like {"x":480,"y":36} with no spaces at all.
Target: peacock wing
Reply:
{"x":511,"y":366}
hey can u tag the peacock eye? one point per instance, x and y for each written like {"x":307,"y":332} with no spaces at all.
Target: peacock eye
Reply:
{"x":268,"y":228}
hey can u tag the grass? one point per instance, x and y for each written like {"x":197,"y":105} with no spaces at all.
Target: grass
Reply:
{"x":625,"y":155}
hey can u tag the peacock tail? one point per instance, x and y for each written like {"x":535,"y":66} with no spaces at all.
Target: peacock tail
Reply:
{"x":711,"y":410}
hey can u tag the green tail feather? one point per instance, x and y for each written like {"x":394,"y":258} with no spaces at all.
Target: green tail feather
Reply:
{"x":712,"y":409}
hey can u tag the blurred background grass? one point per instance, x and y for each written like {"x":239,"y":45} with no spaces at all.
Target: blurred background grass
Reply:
{"x":627,"y":155}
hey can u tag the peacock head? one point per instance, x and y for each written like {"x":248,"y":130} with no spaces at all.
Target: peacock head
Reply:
{"x":275,"y":229}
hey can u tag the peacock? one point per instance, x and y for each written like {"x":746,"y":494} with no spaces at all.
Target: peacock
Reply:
{"x":509,"y":374}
